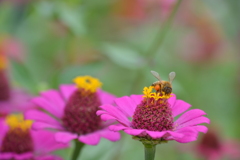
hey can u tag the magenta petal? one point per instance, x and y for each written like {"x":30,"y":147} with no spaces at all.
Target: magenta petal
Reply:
{"x":172,"y":100}
{"x":189,"y":133}
{"x":48,"y":157}
{"x":67,"y":90}
{"x":135,"y":132}
{"x":110,"y":135}
{"x":179,"y":107}
{"x":186,"y":139}
{"x":42,"y":125}
{"x":44,"y":142}
{"x":126,"y":105}
{"x":65,"y":137}
{"x":23,"y":156}
{"x":90,"y":139}
{"x":137,"y":99}
{"x":105,"y":97}
{"x":40,"y":116}
{"x":100,"y":112}
{"x":193,"y":122}
{"x":117,"y":127}
{"x":189,"y":115}
{"x":115,"y":112}
{"x":156,"y":135}
{"x":200,"y":128}
{"x":54,"y":97}
{"x":48,"y":106}
{"x":106,"y":117}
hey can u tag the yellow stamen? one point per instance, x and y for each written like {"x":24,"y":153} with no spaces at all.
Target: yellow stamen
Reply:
{"x":88,"y":83}
{"x":147,"y":91}
{"x":157,"y":96}
{"x":16,"y":121}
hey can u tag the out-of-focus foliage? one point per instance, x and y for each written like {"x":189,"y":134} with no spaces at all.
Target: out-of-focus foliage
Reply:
{"x":111,"y":40}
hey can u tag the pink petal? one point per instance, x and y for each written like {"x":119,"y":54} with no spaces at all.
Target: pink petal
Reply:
{"x":115,"y":112}
{"x":179,"y":107}
{"x":105,"y":97}
{"x":110,"y":135}
{"x":172,"y":100}
{"x":65,"y":137}
{"x":189,"y":115}
{"x":193,"y":122}
{"x":48,"y":106}
{"x":137,"y":99}
{"x":54,"y":97}
{"x":90,"y":139}
{"x":126,"y":105}
{"x":48,"y":157}
{"x":117,"y":127}
{"x":200,"y":128}
{"x":189,"y":133}
{"x":42,"y":125}
{"x":106,"y":117}
{"x":44,"y":142}
{"x":135,"y":132}
{"x":156,"y":134}
{"x":41,"y":116}
{"x":67,"y":90}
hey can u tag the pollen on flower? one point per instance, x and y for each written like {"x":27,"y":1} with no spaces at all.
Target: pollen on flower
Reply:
{"x":17,"y":122}
{"x":147,"y":91}
{"x":88,"y":83}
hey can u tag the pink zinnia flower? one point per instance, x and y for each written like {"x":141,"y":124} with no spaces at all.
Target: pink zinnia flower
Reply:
{"x":18,"y":141}
{"x":73,"y":112}
{"x":150,"y":118}
{"x":212,"y":147}
{"x":11,"y":99}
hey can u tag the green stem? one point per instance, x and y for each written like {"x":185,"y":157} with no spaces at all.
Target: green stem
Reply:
{"x":149,"y":151}
{"x":77,"y":149}
{"x":162,"y":33}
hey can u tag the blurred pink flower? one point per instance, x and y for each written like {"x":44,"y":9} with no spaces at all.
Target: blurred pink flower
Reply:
{"x":12,"y":99}
{"x":11,"y":48}
{"x":73,"y":111}
{"x":18,"y":141}
{"x":212,"y":147}
{"x":153,"y":118}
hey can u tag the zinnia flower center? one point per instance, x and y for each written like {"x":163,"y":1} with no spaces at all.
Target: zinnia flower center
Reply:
{"x":153,"y":113}
{"x":80,"y":111}
{"x":210,"y":141}
{"x":18,"y":138}
{"x":4,"y":86}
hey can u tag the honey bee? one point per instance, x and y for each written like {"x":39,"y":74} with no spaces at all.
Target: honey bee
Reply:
{"x":163,"y":87}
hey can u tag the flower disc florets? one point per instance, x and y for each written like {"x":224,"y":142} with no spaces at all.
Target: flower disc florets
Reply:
{"x":153,"y":113}
{"x":80,"y":110}
{"x":18,"y":135}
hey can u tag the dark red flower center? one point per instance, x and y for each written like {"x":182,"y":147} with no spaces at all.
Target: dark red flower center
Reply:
{"x":153,"y":115}
{"x":210,"y":141}
{"x":17,"y":141}
{"x":80,"y":112}
{"x":4,"y":86}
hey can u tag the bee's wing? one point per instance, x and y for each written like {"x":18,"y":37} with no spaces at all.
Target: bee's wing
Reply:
{"x":171,"y":76}
{"x":155,"y":74}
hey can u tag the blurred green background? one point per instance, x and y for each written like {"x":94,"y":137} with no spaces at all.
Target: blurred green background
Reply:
{"x":119,"y":42}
